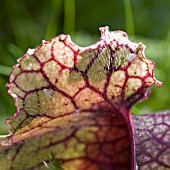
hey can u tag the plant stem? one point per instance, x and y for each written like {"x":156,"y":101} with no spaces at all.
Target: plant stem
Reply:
{"x":4,"y":70}
{"x":129,"y":18}
{"x":69,"y":16}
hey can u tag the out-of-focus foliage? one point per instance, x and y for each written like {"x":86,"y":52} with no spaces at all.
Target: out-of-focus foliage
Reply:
{"x":25,"y":23}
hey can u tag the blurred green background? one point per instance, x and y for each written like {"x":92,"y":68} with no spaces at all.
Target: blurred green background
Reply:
{"x":24,"y":24}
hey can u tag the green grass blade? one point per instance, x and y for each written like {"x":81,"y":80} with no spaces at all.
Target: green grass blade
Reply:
{"x":48,"y":166}
{"x":4,"y":70}
{"x":69,"y":16}
{"x":15,"y":13}
{"x":130,"y":28}
{"x":53,"y":163}
{"x":54,"y":19}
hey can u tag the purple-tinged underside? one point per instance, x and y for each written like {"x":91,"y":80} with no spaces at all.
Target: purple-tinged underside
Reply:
{"x":153,"y":140}
{"x":76,"y":102}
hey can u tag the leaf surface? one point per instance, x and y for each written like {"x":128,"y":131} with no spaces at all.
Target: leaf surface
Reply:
{"x":76,"y":102}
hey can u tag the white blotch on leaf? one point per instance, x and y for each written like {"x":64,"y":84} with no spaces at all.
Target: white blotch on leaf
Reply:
{"x":30,"y":65}
{"x":47,"y":92}
{"x":9,"y":157}
{"x":30,"y":51}
{"x":131,"y":57}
